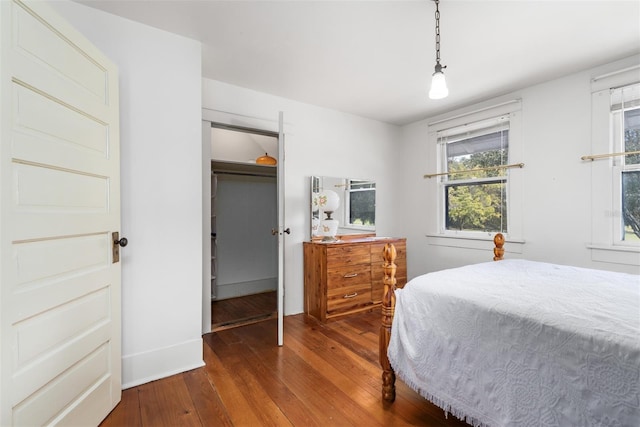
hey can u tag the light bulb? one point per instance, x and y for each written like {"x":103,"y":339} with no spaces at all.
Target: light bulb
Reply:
{"x":438,"y":86}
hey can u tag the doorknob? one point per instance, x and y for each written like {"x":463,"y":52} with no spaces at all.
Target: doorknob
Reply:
{"x":116,"y":242}
{"x":274,"y":231}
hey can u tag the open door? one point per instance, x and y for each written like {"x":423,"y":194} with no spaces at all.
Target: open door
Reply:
{"x":281,"y":229}
{"x":60,"y":351}
{"x":250,"y":125}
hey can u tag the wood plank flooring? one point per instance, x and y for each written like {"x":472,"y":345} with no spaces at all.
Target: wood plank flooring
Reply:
{"x":324,"y":375}
{"x":234,"y":312}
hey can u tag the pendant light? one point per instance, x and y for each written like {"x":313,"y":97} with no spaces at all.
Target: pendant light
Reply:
{"x":438,"y":83}
{"x":266,"y":160}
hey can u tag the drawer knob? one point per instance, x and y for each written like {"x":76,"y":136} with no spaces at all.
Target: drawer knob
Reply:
{"x":353,"y":295}
{"x":347,"y":276}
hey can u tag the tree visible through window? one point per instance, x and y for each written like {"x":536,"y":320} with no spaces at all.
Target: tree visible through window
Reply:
{"x":631,"y":176}
{"x":362,"y":203}
{"x":475,"y":197}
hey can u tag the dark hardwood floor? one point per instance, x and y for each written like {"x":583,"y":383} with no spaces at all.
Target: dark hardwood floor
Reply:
{"x":234,"y":312}
{"x":324,"y":375}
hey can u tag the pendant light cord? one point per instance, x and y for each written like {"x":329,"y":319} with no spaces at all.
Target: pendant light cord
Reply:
{"x":438,"y":88}
{"x":437,"y":32}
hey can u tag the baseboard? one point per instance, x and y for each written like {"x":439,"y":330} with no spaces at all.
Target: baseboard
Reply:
{"x":233,"y":290}
{"x":152,"y":365}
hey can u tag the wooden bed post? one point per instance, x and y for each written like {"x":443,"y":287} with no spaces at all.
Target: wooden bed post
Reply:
{"x":388,"y":310}
{"x":498,"y":251}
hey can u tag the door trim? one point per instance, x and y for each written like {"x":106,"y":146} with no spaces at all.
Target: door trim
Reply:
{"x":222,"y":119}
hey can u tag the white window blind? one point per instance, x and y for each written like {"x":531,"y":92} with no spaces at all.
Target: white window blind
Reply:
{"x":615,"y":182}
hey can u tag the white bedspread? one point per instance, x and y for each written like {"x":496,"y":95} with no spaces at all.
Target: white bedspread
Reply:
{"x":520,"y":343}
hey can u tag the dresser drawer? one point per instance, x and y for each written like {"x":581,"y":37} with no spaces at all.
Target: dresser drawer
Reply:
{"x":348,"y":287}
{"x":377,"y":257}
{"x":348,"y":297}
{"x":377,"y":280}
{"x":348,"y":276}
{"x":344,"y":255}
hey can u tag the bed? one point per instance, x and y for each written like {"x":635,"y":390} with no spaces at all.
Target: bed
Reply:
{"x":516,"y":342}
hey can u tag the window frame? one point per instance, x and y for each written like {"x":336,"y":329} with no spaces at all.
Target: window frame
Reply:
{"x":618,"y":167}
{"x":510,"y":112}
{"x":606,"y":174}
{"x":347,"y":203}
{"x":461,"y":133}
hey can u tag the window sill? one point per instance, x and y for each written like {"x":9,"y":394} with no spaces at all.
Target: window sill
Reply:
{"x":481,"y":242}
{"x":626,"y":255}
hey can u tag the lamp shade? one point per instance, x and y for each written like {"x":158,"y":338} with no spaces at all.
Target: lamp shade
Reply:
{"x":328,"y":200}
{"x":439,"y":88}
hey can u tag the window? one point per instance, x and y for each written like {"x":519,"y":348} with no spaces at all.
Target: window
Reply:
{"x":625,"y":127}
{"x":361,"y":200}
{"x":615,"y":177}
{"x":474,"y":187}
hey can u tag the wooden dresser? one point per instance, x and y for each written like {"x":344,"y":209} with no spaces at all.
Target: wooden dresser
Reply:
{"x":345,"y":277}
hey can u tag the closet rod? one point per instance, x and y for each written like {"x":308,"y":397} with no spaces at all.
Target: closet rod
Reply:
{"x":261,"y":175}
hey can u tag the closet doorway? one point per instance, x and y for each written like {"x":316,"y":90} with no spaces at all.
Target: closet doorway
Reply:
{"x":244,"y":213}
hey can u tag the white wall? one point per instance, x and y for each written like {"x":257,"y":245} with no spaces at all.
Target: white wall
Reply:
{"x":160,"y":122}
{"x":556,"y":119}
{"x":318,"y":142}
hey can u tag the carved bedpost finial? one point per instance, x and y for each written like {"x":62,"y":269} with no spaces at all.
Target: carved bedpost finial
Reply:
{"x":389,"y":255}
{"x":498,"y":251}
{"x":388,"y":310}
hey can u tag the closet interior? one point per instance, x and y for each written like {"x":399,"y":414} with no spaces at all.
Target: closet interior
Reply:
{"x":244,"y":252}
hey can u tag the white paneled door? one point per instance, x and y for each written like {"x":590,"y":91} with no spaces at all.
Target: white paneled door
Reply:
{"x":281,"y":227}
{"x":59,"y":205}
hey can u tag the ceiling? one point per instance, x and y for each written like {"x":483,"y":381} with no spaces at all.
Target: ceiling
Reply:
{"x":375,"y":58}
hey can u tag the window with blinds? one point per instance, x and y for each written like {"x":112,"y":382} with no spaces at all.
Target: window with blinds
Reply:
{"x":474,"y":186}
{"x":625,"y":131}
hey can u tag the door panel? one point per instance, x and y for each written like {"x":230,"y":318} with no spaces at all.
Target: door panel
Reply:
{"x":281,"y":228}
{"x":60,"y":201}
{"x":44,"y":40}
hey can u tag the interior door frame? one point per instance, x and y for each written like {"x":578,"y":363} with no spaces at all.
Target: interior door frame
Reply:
{"x":276,"y":128}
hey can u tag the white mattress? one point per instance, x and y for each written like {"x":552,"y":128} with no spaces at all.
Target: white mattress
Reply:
{"x":519,"y":343}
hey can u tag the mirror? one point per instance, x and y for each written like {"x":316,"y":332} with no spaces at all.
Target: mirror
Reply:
{"x":352,"y":212}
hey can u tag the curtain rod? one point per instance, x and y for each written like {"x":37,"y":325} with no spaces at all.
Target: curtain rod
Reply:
{"x":514,"y":165}
{"x":359,"y":183}
{"x":593,"y":157}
